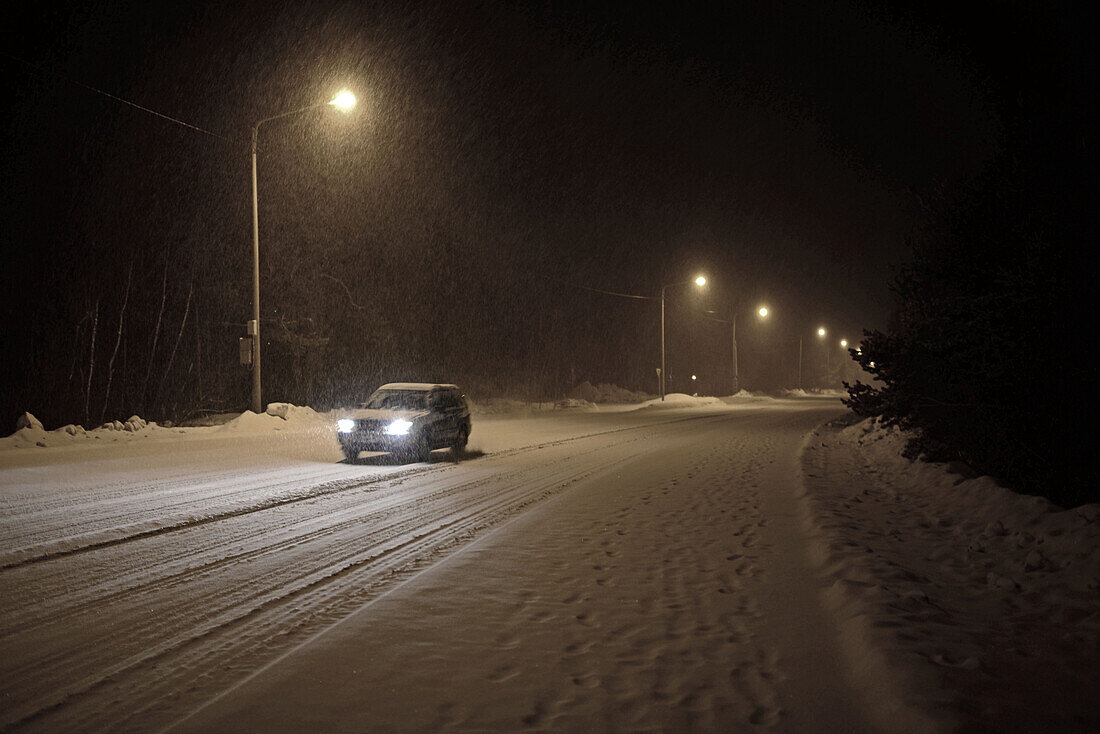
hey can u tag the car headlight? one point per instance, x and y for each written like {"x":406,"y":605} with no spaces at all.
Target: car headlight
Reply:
{"x":345,"y":425}
{"x":398,"y":427}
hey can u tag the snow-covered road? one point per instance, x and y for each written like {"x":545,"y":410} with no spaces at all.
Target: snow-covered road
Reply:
{"x":140,"y":582}
{"x":702,"y":565}
{"x":666,"y":590}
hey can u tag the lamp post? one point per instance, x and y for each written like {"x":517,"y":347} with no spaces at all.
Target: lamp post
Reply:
{"x":762,"y":313}
{"x":344,"y":100}
{"x":844,"y":364}
{"x":699,"y":281}
{"x":821,"y":335}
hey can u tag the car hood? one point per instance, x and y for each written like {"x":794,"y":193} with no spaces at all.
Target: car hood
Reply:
{"x":386,"y":414}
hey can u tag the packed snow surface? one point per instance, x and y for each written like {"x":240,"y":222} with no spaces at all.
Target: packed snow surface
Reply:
{"x":691,"y":564}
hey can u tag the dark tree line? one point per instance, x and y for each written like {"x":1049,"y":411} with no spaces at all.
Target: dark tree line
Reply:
{"x":989,"y":352}
{"x":974,"y":358}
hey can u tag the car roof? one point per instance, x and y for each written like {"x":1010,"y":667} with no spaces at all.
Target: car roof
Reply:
{"x":419,"y":386}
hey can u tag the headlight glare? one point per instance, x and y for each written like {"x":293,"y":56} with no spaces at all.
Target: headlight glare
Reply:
{"x":345,"y":425}
{"x":399,"y":427}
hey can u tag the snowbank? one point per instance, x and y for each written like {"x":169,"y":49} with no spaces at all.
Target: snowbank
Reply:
{"x":606,"y":393}
{"x":31,"y":433}
{"x":278,"y":417}
{"x":824,"y":393}
{"x":680,"y":400}
{"x":973,"y":598}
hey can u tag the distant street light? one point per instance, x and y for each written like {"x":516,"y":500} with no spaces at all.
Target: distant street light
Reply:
{"x":843,"y":343}
{"x":344,"y":100}
{"x":820,"y":335}
{"x":700,"y":282}
{"x":762,"y":312}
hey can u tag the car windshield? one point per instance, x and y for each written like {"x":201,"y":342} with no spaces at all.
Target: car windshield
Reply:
{"x":398,"y":400}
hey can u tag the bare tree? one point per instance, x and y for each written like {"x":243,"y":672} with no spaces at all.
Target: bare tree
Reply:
{"x":156,"y":330}
{"x":91,"y":362}
{"x":118,"y":340}
{"x":179,"y":336}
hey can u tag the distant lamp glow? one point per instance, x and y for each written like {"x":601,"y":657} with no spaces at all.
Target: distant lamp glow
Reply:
{"x":844,"y":343}
{"x":700,"y":281}
{"x":763,"y":312}
{"x":693,"y":378}
{"x":344,"y":100}
{"x":821,"y":332}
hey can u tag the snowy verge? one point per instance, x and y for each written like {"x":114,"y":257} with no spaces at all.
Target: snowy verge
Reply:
{"x":279,"y":417}
{"x":965,"y":599}
{"x":286,"y":417}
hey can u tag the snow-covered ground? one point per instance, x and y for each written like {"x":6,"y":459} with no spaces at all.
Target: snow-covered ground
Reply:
{"x":620,"y":567}
{"x":966,"y":597}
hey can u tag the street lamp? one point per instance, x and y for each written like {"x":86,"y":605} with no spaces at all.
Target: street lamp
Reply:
{"x":700,"y":281}
{"x":762,"y":312}
{"x":344,"y":101}
{"x":820,"y":335}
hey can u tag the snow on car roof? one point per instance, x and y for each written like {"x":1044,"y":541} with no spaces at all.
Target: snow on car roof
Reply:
{"x":425,"y":386}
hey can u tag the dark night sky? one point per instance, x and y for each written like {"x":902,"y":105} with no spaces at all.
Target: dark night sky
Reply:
{"x":784,"y":148}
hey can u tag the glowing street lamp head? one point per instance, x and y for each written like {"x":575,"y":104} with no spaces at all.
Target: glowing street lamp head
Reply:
{"x":844,"y":343}
{"x":700,"y":281}
{"x":763,"y":312}
{"x":344,"y":100}
{"x":821,"y":331}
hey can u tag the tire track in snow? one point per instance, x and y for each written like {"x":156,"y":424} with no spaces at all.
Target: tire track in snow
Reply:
{"x":123,"y":529}
{"x":321,"y":591}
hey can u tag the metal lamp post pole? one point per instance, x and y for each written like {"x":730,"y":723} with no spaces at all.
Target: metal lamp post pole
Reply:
{"x":736,"y":371}
{"x":663,"y":372}
{"x":800,"y":363}
{"x":700,"y":281}
{"x":257,"y":402}
{"x":344,"y":100}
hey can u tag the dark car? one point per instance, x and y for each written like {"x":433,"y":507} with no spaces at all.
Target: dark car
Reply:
{"x":407,"y":419}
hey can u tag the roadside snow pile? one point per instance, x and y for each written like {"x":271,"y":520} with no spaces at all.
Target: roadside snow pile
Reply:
{"x":822,"y":393}
{"x":30,"y":432}
{"x":605,"y":393}
{"x":574,"y":404}
{"x":681,"y":400}
{"x":278,"y":417}
{"x":955,"y":584}
{"x":741,"y":395}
